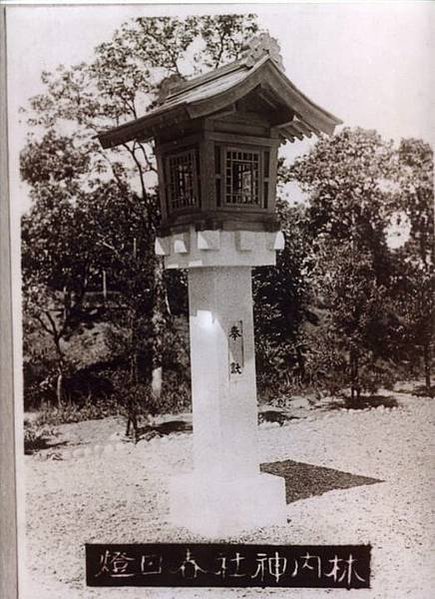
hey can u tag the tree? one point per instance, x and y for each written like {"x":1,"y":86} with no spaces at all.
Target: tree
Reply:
{"x":116,"y":86}
{"x":346,"y":178}
{"x":415,"y":282}
{"x":360,"y":316}
{"x":57,"y":250}
{"x":283,"y":302}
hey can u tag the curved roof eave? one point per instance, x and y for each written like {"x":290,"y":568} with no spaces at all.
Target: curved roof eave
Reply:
{"x":218,"y":94}
{"x":268,"y":75}
{"x":144,"y":127}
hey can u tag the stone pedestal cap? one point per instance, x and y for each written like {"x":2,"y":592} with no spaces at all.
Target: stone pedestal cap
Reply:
{"x":194,"y":249}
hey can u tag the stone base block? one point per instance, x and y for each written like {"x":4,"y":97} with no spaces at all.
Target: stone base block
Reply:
{"x":217,"y":508}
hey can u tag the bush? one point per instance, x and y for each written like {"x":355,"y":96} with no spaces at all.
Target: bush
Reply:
{"x":89,"y":382}
{"x":276,"y":366}
{"x":87,"y":409}
{"x":35,"y":436}
{"x":137,"y":401}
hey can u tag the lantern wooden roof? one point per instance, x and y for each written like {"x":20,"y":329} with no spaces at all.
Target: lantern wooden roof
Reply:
{"x":259,"y":84}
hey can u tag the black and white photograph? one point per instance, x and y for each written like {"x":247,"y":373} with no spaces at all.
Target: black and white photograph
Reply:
{"x":217,"y":306}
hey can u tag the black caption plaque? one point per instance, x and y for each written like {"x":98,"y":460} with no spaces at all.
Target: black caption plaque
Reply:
{"x":224,"y":565}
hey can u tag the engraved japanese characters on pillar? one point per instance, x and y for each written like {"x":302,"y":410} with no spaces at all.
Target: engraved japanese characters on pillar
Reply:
{"x":235,"y":350}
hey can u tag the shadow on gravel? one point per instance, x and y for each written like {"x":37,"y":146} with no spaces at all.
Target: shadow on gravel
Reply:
{"x":173,"y":426}
{"x":306,"y":480}
{"x":41,"y":443}
{"x":275,"y":416}
{"x":423,"y":391}
{"x":365,"y":402}
{"x":164,"y":428}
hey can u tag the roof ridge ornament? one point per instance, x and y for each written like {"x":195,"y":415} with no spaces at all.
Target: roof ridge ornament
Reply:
{"x":168,"y":85}
{"x":262,"y":45}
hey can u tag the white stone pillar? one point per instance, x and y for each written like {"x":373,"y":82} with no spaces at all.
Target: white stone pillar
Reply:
{"x":225,"y":493}
{"x":224,"y":399}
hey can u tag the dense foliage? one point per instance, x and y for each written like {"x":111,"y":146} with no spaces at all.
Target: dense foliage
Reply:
{"x":365,"y":288}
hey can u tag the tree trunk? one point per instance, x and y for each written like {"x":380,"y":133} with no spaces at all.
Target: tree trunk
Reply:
{"x":301,"y":364}
{"x":160,"y":314}
{"x":60,"y":373}
{"x":134,"y":361}
{"x":427,"y":365}
{"x":156,"y":381}
{"x":357,"y":381}
{"x":134,"y":378}
{"x":131,"y":420}
{"x":134,"y":370}
{"x":355,"y":389}
{"x":59,"y":389}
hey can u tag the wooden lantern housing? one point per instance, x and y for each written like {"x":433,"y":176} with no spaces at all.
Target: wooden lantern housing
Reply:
{"x":216,"y":143}
{"x":219,"y":174}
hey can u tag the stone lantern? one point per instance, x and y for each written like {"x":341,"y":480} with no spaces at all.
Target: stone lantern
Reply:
{"x":216,"y":142}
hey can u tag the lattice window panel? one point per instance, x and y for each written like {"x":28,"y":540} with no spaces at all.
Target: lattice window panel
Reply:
{"x":242,"y":178}
{"x":182,"y":180}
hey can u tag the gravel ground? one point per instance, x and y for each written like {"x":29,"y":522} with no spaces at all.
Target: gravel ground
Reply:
{"x":97,"y":489}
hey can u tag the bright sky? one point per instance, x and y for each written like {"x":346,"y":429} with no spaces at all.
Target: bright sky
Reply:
{"x":370,"y":63}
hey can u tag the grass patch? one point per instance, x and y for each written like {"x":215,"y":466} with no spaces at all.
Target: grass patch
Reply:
{"x":89,"y":409}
